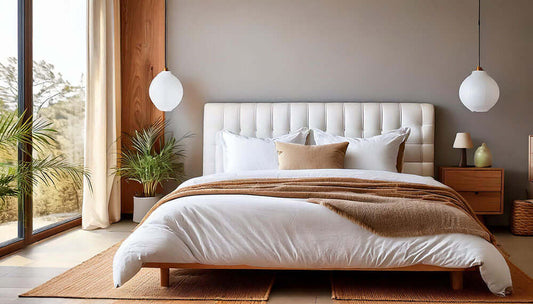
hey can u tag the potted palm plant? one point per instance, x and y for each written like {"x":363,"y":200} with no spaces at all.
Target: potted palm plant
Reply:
{"x":17,"y":177}
{"x":148,"y":158}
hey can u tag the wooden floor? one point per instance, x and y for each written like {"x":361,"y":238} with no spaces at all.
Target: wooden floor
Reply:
{"x":38,"y":263}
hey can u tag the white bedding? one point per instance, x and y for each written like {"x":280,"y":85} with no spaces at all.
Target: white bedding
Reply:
{"x":280,"y":232}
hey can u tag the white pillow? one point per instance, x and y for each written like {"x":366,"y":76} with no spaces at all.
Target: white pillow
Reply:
{"x":250,"y":153}
{"x":374,"y":153}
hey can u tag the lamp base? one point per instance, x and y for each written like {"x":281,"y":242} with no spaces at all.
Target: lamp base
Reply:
{"x":462,"y":163}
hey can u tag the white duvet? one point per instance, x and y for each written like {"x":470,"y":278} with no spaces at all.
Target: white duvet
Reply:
{"x":280,"y":232}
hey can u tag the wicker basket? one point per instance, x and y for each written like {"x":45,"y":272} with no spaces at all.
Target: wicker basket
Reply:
{"x":522,"y":218}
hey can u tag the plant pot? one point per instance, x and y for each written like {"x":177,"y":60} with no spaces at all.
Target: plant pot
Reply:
{"x":141,"y":205}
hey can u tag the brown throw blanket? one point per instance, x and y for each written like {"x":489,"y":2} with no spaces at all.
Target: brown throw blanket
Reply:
{"x":391,"y":209}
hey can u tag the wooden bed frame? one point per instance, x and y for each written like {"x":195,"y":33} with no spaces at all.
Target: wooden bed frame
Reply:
{"x":456,"y":274}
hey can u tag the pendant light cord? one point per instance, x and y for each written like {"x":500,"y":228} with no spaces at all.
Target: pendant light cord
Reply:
{"x":479,"y":33}
{"x":166,"y":2}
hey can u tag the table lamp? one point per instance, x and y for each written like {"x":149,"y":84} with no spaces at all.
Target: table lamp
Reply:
{"x":463,"y":142}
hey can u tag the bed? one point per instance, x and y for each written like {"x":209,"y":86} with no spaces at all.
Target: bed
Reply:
{"x":235,"y":231}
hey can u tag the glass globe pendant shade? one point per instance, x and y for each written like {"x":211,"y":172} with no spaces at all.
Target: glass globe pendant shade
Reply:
{"x":165,"y":91}
{"x":479,"y":92}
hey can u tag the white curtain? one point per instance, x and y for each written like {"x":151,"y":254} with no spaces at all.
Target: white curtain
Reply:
{"x":101,"y":205}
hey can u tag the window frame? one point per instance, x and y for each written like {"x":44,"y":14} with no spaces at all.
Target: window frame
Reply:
{"x":26,"y":235}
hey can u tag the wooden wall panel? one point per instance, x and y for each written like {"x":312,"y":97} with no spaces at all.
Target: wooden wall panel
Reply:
{"x":142,"y":29}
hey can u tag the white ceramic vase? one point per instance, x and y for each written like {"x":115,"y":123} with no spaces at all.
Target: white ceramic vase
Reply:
{"x":141,"y":205}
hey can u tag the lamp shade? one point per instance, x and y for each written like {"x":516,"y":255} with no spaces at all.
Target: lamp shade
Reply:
{"x":463,"y":141}
{"x":479,"y":92}
{"x":165,"y":91}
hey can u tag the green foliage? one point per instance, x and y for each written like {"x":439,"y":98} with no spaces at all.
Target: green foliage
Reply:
{"x":49,"y":87}
{"x":68,"y":118}
{"x":148,"y":158}
{"x":59,"y":106}
{"x":7,"y":179}
{"x":9,"y":85}
{"x":15,"y":129}
{"x":14,"y":177}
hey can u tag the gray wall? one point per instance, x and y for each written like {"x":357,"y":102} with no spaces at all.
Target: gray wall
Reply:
{"x":360,"y":50}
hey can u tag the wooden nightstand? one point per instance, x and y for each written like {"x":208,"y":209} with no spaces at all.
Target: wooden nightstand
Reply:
{"x":481,"y":187}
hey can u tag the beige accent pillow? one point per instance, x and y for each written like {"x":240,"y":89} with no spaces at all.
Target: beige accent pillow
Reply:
{"x":298,"y":157}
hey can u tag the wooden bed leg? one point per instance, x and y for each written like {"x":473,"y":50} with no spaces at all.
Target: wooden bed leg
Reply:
{"x":456,"y":278}
{"x":165,"y":277}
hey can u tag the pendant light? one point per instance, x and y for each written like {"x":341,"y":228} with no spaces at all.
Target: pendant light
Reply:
{"x":479,"y":92}
{"x":166,"y":91}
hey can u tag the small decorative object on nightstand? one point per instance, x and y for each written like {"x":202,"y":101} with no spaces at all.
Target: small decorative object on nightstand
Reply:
{"x":482,"y":156}
{"x":463,"y":142}
{"x":481,"y":187}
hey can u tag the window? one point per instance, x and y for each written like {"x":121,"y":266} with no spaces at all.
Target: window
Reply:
{"x":59,"y":65}
{"x":9,"y":209}
{"x":42,"y":72}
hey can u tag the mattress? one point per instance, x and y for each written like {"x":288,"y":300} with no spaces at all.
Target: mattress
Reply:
{"x":292,"y":233}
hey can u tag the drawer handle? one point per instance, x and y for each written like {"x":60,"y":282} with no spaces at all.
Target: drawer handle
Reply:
{"x":476,"y":192}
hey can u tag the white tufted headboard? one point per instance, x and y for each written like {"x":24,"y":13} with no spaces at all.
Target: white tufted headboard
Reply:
{"x":347,"y":119}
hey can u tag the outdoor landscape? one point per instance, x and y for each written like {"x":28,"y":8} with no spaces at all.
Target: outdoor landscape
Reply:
{"x":63,"y":104}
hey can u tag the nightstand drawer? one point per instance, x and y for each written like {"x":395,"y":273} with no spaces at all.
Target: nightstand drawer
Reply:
{"x":484,"y":201}
{"x":473,"y":180}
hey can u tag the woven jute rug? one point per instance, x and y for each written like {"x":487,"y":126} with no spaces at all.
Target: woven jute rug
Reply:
{"x":423,"y":287}
{"x":93,"y":279}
